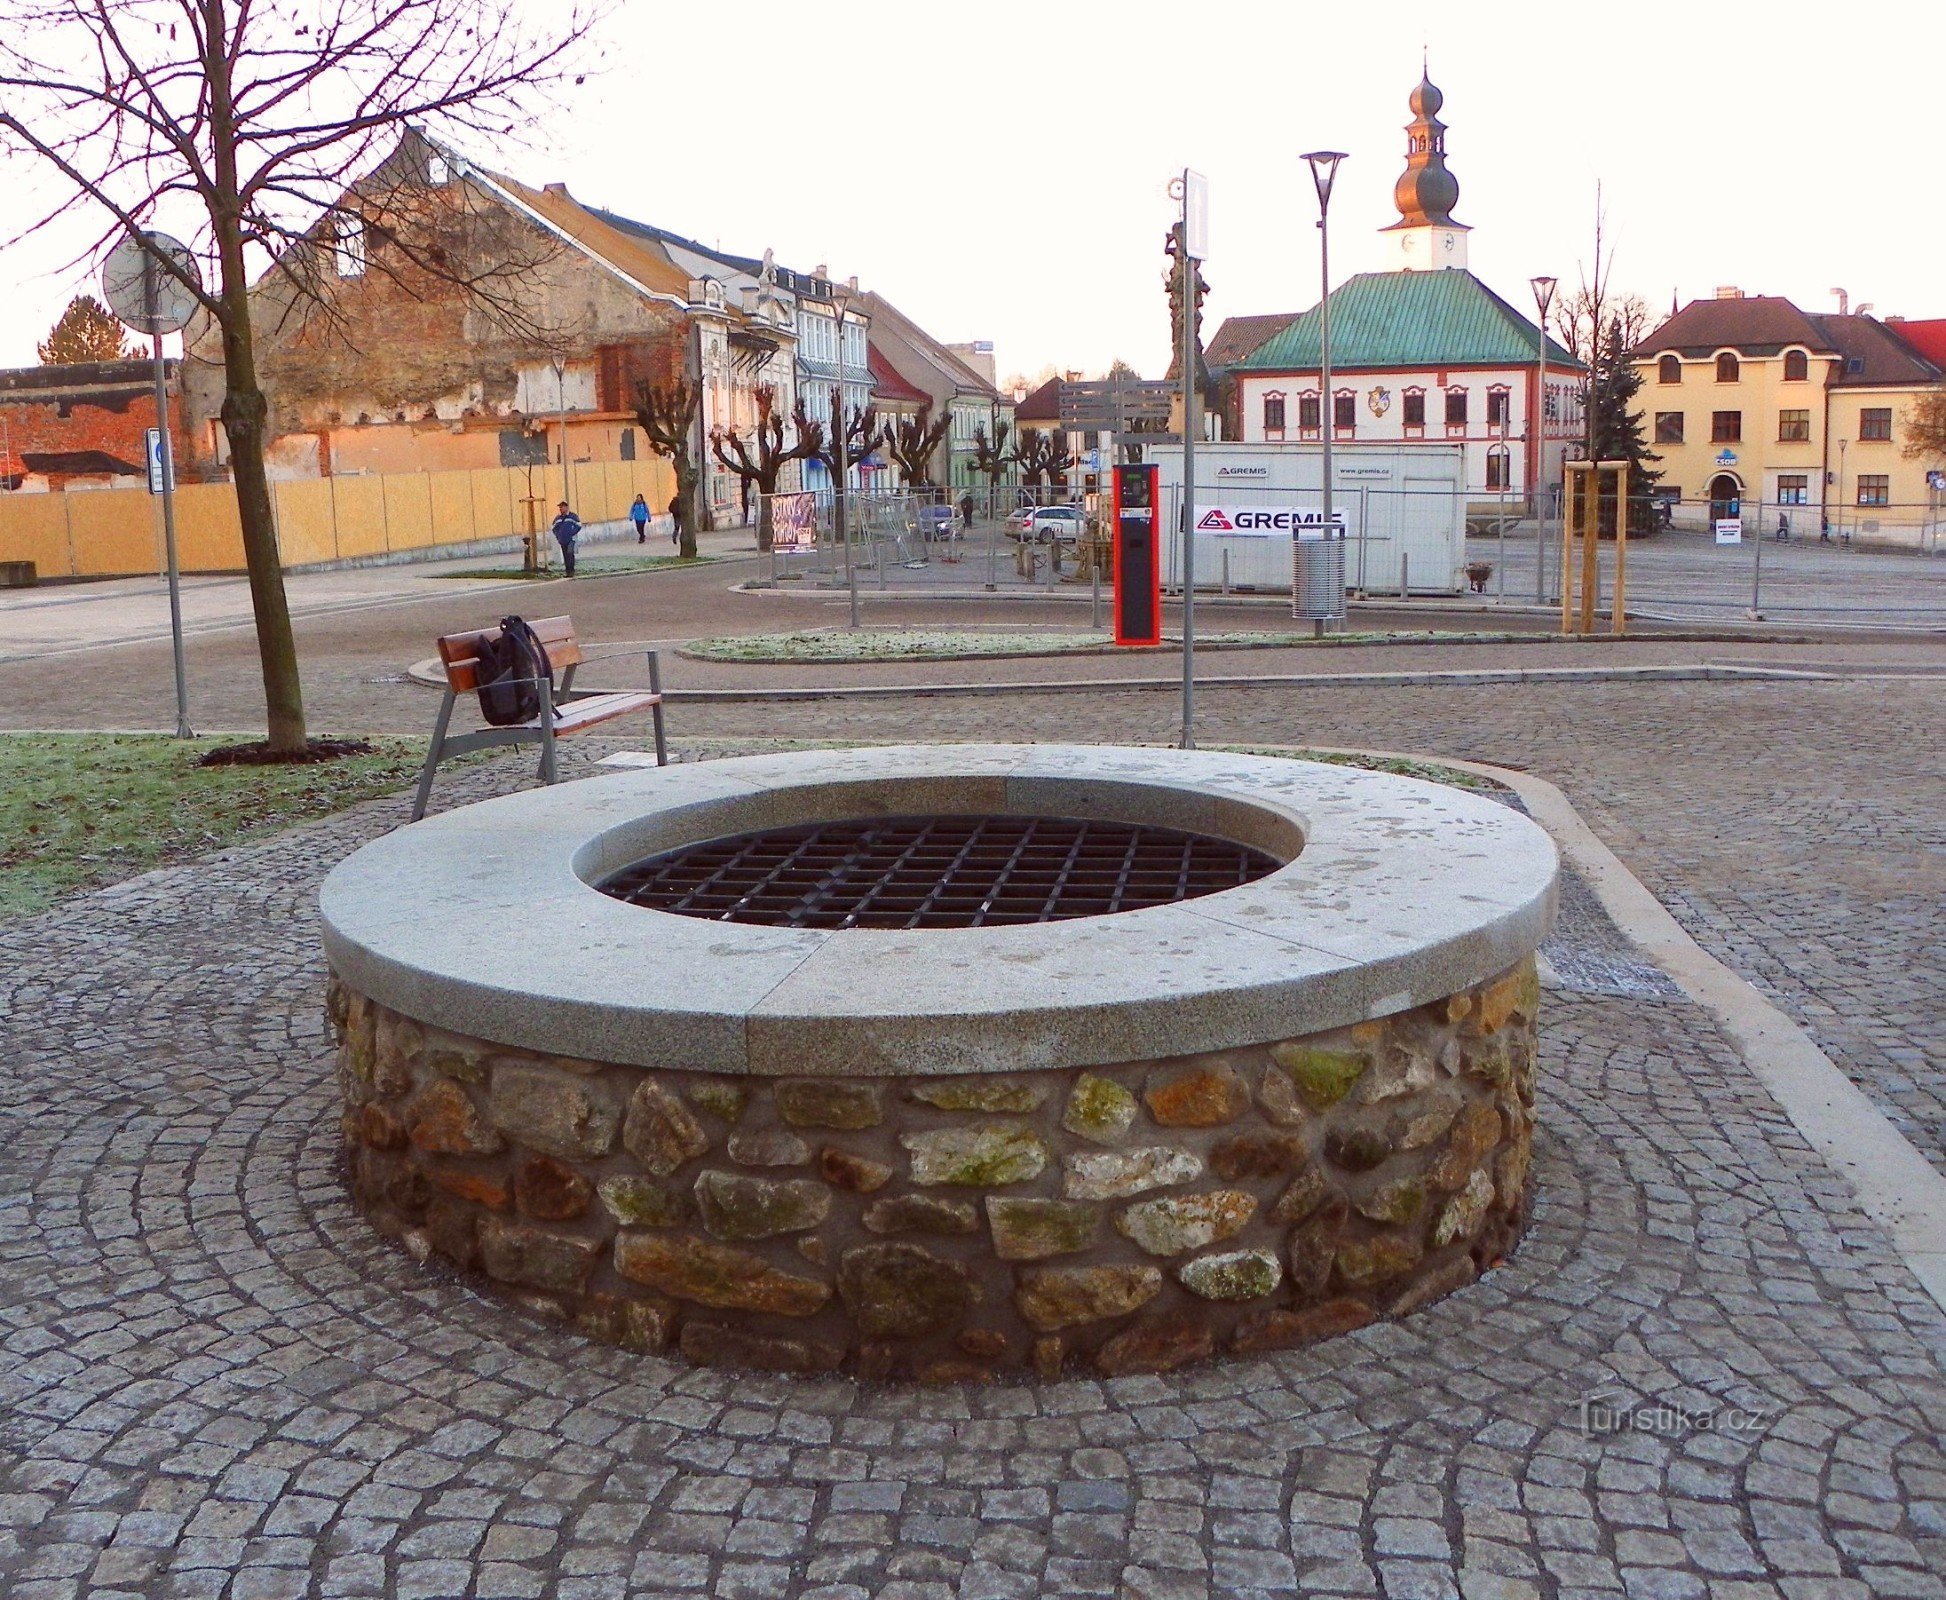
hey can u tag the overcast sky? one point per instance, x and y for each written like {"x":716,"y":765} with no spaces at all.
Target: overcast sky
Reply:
{"x":999,"y":170}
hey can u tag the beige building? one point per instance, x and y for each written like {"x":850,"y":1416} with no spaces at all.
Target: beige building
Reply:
{"x":1762,"y":410}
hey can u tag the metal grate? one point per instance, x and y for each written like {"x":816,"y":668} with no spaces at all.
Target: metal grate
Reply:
{"x":936,"y":872}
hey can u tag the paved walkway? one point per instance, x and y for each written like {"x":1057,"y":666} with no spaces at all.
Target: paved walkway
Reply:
{"x":1702,"y":1374}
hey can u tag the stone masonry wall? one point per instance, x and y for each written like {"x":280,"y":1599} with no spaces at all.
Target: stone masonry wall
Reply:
{"x":949,"y":1229}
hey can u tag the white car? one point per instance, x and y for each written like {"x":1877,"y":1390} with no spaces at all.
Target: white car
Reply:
{"x":1040,"y":524}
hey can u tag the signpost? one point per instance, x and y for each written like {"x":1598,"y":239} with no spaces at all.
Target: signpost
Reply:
{"x":1192,"y":248}
{"x":1138,"y":563}
{"x":1729,"y":530}
{"x":156,"y":299}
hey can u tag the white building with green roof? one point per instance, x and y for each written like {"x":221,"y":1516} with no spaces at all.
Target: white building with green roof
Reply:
{"x":1423,"y":352}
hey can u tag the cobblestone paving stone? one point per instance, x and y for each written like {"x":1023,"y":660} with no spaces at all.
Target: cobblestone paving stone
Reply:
{"x":218,"y":1382}
{"x":1797,"y":831}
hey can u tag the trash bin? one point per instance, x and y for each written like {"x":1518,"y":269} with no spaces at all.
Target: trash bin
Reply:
{"x":1318,"y":576}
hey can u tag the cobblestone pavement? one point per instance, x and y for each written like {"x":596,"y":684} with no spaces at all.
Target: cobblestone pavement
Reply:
{"x":1798,"y":831}
{"x":218,"y":1381}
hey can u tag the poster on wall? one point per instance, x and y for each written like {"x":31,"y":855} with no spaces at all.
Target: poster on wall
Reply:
{"x":794,"y":521}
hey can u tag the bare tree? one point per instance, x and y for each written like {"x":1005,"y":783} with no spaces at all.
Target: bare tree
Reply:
{"x":242,"y":122}
{"x":913,"y":442}
{"x":1042,"y":456}
{"x":992,"y":456}
{"x":1925,"y":427}
{"x":667,"y":413}
{"x":861,"y":434}
{"x":760,"y":459}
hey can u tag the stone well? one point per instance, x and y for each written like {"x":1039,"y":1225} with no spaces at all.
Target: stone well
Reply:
{"x":1105,"y":1145}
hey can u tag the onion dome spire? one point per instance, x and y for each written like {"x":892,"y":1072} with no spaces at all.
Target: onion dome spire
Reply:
{"x":1426,"y":192}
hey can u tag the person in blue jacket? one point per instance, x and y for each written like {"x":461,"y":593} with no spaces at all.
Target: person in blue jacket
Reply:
{"x":567,"y":529}
{"x":639,"y":515}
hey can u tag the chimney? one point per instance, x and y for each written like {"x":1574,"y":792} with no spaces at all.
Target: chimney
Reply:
{"x":851,"y":283}
{"x":558,"y":190}
{"x":821,"y":271}
{"x":1728,"y":291}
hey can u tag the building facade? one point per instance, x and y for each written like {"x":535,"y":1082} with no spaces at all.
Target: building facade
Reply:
{"x":969,"y":399}
{"x":81,"y":426}
{"x":1422,"y":352}
{"x":1759,"y":409}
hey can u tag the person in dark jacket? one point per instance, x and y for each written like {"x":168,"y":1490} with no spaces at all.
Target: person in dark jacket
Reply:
{"x":567,"y":529}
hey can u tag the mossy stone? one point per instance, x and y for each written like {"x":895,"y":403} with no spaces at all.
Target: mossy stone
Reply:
{"x":723,"y":1100}
{"x":1099,"y":1109}
{"x":981,"y":1094}
{"x":975,"y":1158}
{"x":1030,"y":1230}
{"x":642,"y":1202}
{"x":1323,"y":1077}
{"x":1236,"y":1275}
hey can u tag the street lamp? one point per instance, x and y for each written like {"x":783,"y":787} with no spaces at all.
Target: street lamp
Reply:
{"x":1324,"y":173}
{"x":840,"y":425}
{"x":1537,"y":435}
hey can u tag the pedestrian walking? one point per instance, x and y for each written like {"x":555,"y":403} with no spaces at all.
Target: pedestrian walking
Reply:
{"x":639,"y":515}
{"x":966,"y":513}
{"x":1783,"y":528}
{"x":567,"y":529}
{"x":1824,"y":530}
{"x":675,"y":519}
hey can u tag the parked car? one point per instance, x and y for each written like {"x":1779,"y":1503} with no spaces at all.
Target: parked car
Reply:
{"x":1040,"y":524}
{"x":938,"y":522}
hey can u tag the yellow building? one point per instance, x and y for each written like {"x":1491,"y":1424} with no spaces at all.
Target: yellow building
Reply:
{"x":1761,"y":410}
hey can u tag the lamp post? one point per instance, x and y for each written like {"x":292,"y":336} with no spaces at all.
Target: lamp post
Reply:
{"x":1324,"y":173}
{"x":1537,"y":434}
{"x":840,"y":424}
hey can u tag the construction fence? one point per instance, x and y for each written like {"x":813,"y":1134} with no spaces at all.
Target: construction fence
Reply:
{"x":108,"y":533}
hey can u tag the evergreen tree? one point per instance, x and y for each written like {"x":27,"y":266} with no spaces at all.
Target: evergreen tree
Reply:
{"x":87,"y":331}
{"x":1615,"y":430}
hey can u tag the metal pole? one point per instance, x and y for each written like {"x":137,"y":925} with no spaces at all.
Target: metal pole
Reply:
{"x":843,"y":463}
{"x":1757,"y":568}
{"x":1327,"y":406}
{"x":1618,"y":614}
{"x":1189,"y":424}
{"x":1543,"y":288}
{"x":183,"y":730}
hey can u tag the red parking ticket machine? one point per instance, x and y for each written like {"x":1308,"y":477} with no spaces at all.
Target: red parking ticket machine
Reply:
{"x":1138,"y":557}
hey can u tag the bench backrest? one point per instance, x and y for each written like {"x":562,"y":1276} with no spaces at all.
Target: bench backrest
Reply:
{"x":461,"y":651}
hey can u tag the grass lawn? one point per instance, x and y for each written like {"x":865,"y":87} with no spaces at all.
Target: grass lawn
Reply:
{"x":841,"y":646}
{"x":586,"y":567}
{"x":78,"y":810}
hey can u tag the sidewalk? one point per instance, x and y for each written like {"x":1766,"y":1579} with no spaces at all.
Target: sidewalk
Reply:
{"x":56,"y":619}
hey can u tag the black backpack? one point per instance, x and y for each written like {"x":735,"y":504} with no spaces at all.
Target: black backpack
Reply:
{"x":508,"y":674}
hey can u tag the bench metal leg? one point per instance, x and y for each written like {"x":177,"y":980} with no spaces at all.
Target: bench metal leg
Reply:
{"x":433,"y":754}
{"x":655,"y":685}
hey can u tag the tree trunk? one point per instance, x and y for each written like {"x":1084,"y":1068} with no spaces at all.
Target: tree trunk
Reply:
{"x":766,"y":521}
{"x":244,"y":417}
{"x":245,"y":412}
{"x":690,"y":500}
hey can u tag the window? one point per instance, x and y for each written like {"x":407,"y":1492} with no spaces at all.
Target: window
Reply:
{"x":1273,"y":413}
{"x":1797,"y":366}
{"x":1875,"y":422}
{"x":1307,"y":413}
{"x":1726,"y":427}
{"x":1344,"y":411}
{"x":1793,"y":426}
{"x":1455,"y":408}
{"x":1668,"y":427}
{"x":1496,"y":408}
{"x":1874,"y":489}
{"x":1793,"y":489}
{"x":1497,"y":459}
{"x":628,"y":444}
{"x":1415,"y":408}
{"x":1669,"y":370}
{"x":1728,"y":369}
{"x":351,"y":246}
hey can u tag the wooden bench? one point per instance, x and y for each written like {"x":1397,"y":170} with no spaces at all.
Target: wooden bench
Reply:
{"x":565,"y":710}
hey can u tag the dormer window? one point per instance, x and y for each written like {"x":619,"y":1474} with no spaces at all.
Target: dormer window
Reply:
{"x":1669,"y":370}
{"x":1797,"y":366}
{"x":1728,"y":368}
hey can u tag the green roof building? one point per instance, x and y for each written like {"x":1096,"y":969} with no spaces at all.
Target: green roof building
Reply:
{"x":1424,"y":352}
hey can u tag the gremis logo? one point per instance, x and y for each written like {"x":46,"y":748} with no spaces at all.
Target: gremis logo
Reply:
{"x":1231,"y":519}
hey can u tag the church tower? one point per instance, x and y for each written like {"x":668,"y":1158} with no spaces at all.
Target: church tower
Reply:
{"x":1426,"y":238}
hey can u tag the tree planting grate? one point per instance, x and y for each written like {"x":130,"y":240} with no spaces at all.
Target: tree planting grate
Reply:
{"x":936,"y":872}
